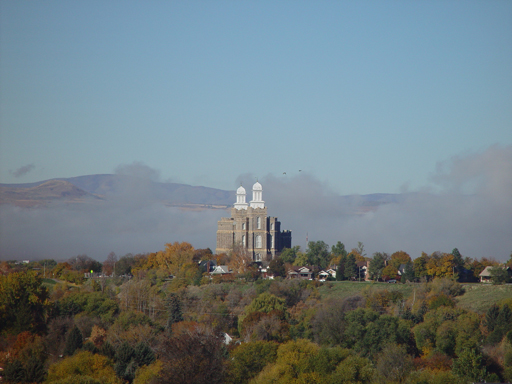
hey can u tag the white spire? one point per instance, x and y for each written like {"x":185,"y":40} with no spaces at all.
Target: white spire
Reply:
{"x":257,"y":196}
{"x":240,"y":198}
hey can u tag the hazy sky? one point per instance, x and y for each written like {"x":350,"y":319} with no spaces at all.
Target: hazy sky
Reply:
{"x":366,"y":96}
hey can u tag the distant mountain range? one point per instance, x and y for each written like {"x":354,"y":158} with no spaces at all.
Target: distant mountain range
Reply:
{"x":94,"y":188}
{"x":97,"y":188}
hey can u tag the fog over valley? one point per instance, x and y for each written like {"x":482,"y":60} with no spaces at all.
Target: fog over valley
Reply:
{"x":467,"y":205}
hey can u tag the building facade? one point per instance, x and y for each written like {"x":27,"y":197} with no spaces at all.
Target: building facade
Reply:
{"x":250,"y":228}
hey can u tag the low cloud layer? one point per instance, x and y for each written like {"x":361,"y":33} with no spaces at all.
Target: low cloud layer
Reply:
{"x":469,"y":206}
{"x":21,"y":171}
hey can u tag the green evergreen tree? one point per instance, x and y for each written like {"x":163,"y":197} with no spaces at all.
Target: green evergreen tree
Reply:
{"x":457,"y":258}
{"x":108,"y":350}
{"x":340,"y":271}
{"x":14,"y":372}
{"x":408,"y":274}
{"x":499,"y":275}
{"x":175,"y":313}
{"x":89,"y":346}
{"x":144,"y":355}
{"x":376,"y":266}
{"x":338,"y":249}
{"x":502,"y":325}
{"x":74,"y":341}
{"x":350,"y":267}
{"x":469,"y":365}
{"x":124,"y":364}
{"x":491,"y":317}
{"x":34,"y":370}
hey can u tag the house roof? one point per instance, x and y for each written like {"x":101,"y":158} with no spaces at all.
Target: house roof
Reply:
{"x":487,"y":270}
{"x":220,"y":269}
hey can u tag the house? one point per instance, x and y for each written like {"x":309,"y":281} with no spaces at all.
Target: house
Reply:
{"x":324,"y":275}
{"x":220,"y":270}
{"x":362,"y":270}
{"x":227,"y":339}
{"x":266,"y":273}
{"x":300,"y":273}
{"x":207,"y":265}
{"x":485,"y":275}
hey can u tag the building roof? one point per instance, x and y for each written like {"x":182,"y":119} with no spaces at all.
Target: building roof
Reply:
{"x":487,"y":270}
{"x":241,"y":190}
{"x":220,"y":270}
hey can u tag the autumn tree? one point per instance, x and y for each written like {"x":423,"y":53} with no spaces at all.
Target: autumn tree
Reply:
{"x":109,"y":264}
{"x":84,"y":263}
{"x":239,"y":259}
{"x":389,"y":272}
{"x":175,"y":259}
{"x":360,"y":249}
{"x":267,"y":309}
{"x":248,"y":359}
{"x":399,"y":258}
{"x":295,"y":363}
{"x":420,"y":266}
{"x":440,"y":265}
{"x":338,"y":252}
{"x":328,"y":323}
{"x":24,"y":303}
{"x":141,"y":295}
{"x":393,"y":364}
{"x":277,"y":268}
{"x":83,"y":367}
{"x":193,"y":355}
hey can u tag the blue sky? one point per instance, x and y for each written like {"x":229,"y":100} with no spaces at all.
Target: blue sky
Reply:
{"x":366,"y":96}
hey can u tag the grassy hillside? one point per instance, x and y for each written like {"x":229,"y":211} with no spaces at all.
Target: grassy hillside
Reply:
{"x":478,"y":297}
{"x":343,"y":289}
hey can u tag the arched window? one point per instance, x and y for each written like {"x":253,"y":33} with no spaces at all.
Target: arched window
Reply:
{"x":243,"y":225}
{"x":243,"y":240}
{"x":258,"y":241}
{"x":258,"y":222}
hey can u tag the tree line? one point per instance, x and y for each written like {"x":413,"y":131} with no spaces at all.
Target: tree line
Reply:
{"x":160,"y":318}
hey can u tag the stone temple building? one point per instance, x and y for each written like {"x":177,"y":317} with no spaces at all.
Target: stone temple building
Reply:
{"x":251,"y":228}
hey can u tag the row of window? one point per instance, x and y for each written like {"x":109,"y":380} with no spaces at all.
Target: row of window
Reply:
{"x":258,"y":224}
{"x":258,"y":242}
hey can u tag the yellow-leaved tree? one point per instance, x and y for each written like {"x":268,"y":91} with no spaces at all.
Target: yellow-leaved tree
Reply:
{"x":81,"y":365}
{"x":175,"y":258}
{"x":239,"y":259}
